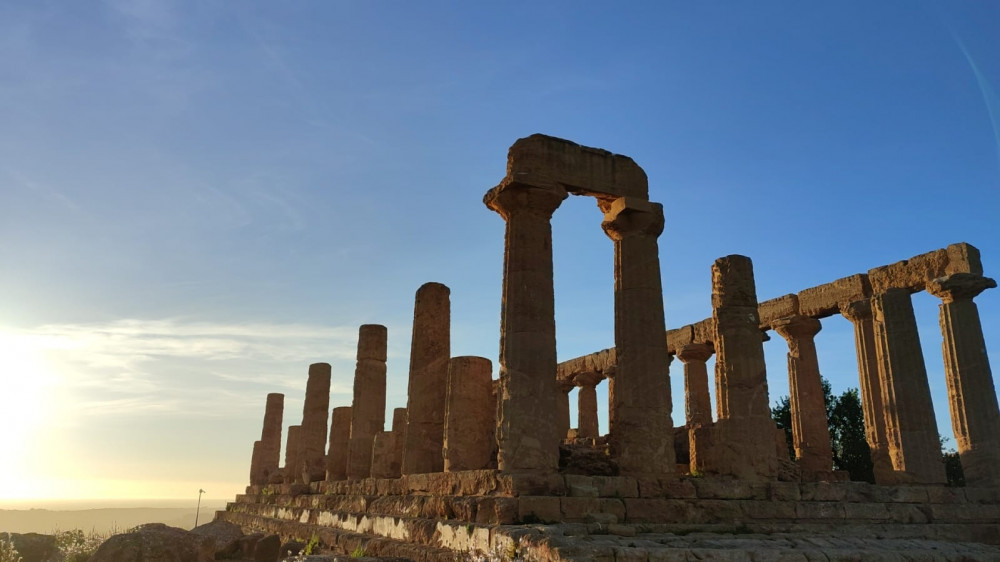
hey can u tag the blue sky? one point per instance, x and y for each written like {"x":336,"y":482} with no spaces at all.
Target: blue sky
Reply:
{"x":198,"y":199}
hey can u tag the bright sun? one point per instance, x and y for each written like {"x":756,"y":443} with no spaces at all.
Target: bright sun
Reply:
{"x":24,"y":379}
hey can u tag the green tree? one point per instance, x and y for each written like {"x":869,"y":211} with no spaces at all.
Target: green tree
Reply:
{"x":847,"y":431}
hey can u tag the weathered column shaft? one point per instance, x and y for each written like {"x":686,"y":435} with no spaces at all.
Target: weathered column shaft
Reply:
{"x":368,"y":408}
{"x":315,"y":412}
{"x":911,"y":429}
{"x":860,"y":315}
{"x":268,"y":456}
{"x":293,"y":452}
{"x":527,"y":428}
{"x":562,"y":408}
{"x":741,"y":442}
{"x":697,"y":401}
{"x":642,"y":437}
{"x":385,"y":462}
{"x":469,"y":416}
{"x":810,"y":430}
{"x":340,"y":438}
{"x":429,"y":353}
{"x":255,"y":468}
{"x":972,"y":398}
{"x":586,"y":408}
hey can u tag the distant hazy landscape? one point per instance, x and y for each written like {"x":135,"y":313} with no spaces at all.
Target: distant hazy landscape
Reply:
{"x":103,"y":516}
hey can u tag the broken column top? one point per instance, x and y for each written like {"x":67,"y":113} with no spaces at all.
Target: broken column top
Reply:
{"x":543,"y":161}
{"x":733,"y":283}
{"x":372,"y":341}
{"x":275,"y":398}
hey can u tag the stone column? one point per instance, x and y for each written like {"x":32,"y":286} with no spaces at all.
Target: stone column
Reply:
{"x":586,"y":411}
{"x":340,"y":438}
{"x":562,"y":407}
{"x":642,"y":437}
{"x":810,"y":430}
{"x":741,"y":442}
{"x":860,"y":314}
{"x":315,"y":412}
{"x":385,"y":462}
{"x":429,"y":353}
{"x":972,"y":398}
{"x":293,"y":453}
{"x":399,"y":421}
{"x":697,"y":401}
{"x":528,"y":432}
{"x":910,"y":427}
{"x":368,"y":408}
{"x":269,"y":451}
{"x":469,"y":421}
{"x":255,"y":468}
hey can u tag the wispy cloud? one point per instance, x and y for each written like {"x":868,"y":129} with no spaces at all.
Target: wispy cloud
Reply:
{"x":170,"y":366}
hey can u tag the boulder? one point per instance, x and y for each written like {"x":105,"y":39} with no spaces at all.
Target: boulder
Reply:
{"x":266,"y":549}
{"x":224,"y":535}
{"x":33,"y":547}
{"x":156,"y":542}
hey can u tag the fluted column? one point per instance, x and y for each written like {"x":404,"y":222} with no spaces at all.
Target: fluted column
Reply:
{"x":469,"y":430}
{"x":340,"y":438}
{"x":293,"y":453}
{"x":910,"y":427}
{"x":586,"y":409}
{"x":527,"y":429}
{"x":860,"y":315}
{"x":697,"y":401}
{"x":368,"y":408}
{"x":562,"y":407}
{"x":315,"y":413}
{"x":267,"y":455}
{"x":429,"y":353}
{"x":810,"y":430}
{"x":972,"y":397}
{"x":642,"y":437}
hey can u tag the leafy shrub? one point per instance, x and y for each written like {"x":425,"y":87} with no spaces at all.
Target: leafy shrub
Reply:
{"x":7,"y":551}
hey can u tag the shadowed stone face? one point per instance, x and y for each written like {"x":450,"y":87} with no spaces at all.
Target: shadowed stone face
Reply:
{"x":340,"y":437}
{"x":267,"y":454}
{"x":368,"y":408}
{"x":429,"y":354}
{"x":314,"y":418}
{"x":469,"y":420}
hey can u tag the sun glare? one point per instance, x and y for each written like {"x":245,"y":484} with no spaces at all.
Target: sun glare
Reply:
{"x":25,"y":380}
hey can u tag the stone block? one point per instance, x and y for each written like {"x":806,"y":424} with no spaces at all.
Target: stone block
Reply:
{"x":907,"y":494}
{"x":823,"y":491}
{"x":531,"y":484}
{"x":616,"y":486}
{"x":726,"y":488}
{"x":869,"y":511}
{"x":773,"y":309}
{"x":906,"y":513}
{"x":497,"y":511}
{"x":766,"y":509}
{"x":784,"y":491}
{"x":679,"y":337}
{"x":539,"y":509}
{"x":543,"y":161}
{"x":820,"y":510}
{"x":963,"y":258}
{"x":577,"y":509}
{"x":828,"y":299}
{"x":704,"y":331}
{"x":475,"y":482}
{"x":912,"y":274}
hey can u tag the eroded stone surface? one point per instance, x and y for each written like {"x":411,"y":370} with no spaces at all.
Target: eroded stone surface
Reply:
{"x":469,"y":431}
{"x":315,"y":410}
{"x":429,"y":354}
{"x":340,"y":437}
{"x":368,"y":407}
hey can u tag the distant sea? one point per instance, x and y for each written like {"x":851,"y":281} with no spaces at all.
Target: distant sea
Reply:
{"x":102,"y":516}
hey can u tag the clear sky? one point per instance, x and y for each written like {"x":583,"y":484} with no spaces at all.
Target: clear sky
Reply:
{"x":199,"y":199}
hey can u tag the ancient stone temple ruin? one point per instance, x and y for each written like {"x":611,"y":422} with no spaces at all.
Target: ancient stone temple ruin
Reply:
{"x":474,"y":465}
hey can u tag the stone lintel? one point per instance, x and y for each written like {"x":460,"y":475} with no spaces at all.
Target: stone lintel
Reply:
{"x":679,"y":337}
{"x":704,"y":331}
{"x":773,"y":309}
{"x":829,"y":299}
{"x":597,"y":362}
{"x":915,"y":273}
{"x":544,"y":161}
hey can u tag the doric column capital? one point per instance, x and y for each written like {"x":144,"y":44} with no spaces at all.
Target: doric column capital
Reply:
{"x":797,"y":327}
{"x":857,"y":311}
{"x":590,"y":379}
{"x":695,"y":352}
{"x":629,"y":216}
{"x":959,"y":286}
{"x":509,"y":199}
{"x":565,"y":385}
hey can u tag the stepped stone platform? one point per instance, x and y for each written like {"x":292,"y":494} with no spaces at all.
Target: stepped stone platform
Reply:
{"x":477,"y":468}
{"x":443,"y":516}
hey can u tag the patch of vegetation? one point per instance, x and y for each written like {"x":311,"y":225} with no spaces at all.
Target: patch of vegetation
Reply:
{"x":312,"y":547}
{"x":7,"y":551}
{"x":359,"y":552}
